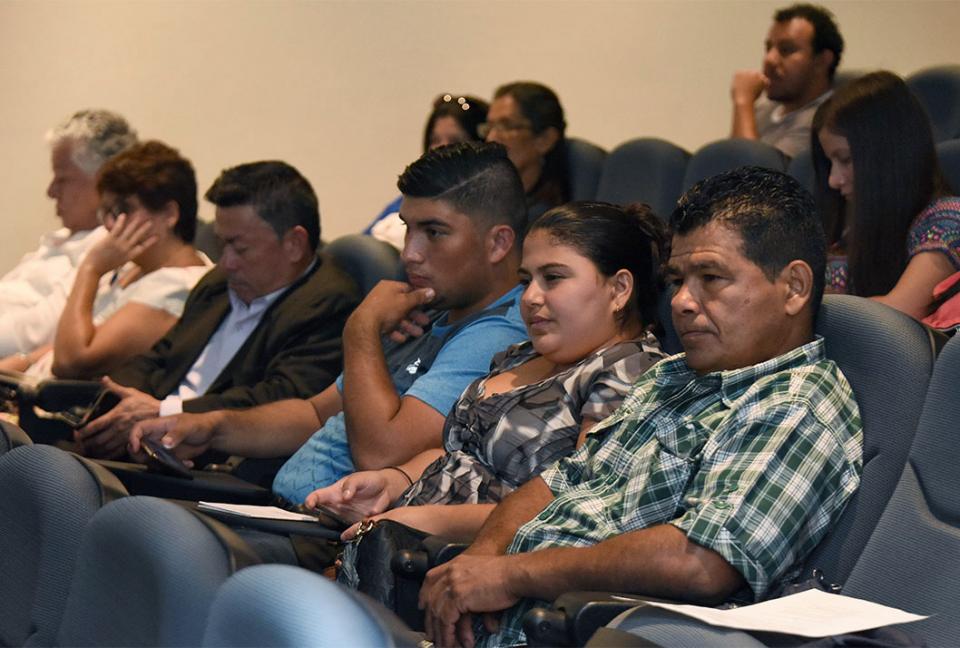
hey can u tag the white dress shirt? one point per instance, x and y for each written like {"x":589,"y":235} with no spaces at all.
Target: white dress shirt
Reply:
{"x":33,"y":294}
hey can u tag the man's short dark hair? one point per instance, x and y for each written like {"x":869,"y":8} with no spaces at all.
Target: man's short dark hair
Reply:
{"x":773,"y":214}
{"x":826,"y":34}
{"x":276,"y":191}
{"x":156,"y":174}
{"x":476,"y":179}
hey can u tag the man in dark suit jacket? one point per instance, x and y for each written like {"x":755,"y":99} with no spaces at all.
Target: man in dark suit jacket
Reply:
{"x":264,"y":325}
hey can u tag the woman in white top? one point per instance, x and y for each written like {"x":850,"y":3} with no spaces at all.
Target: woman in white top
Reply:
{"x":131,"y":286}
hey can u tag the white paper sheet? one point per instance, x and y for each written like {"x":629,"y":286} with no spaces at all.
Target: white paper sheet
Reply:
{"x":250,"y":510}
{"x":809,"y":614}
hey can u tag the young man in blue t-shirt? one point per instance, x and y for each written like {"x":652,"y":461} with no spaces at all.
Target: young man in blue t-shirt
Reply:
{"x":465,"y":213}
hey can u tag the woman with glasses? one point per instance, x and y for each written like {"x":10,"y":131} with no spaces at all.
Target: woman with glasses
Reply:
{"x":130,"y":288}
{"x":454,"y":119}
{"x":527,"y":118}
{"x":892,"y":225}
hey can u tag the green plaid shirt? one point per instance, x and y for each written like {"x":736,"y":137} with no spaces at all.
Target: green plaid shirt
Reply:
{"x":755,"y":464}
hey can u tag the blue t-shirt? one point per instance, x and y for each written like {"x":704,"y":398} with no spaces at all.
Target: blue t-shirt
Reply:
{"x":463,"y":358}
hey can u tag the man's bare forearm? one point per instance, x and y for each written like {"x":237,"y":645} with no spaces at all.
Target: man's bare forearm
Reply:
{"x":518,"y":508}
{"x":273,"y":430}
{"x":370,"y":400}
{"x":744,"y":122}
{"x":658,"y":561}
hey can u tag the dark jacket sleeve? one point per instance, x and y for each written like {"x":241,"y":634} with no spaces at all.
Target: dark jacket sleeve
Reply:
{"x":295,"y":352}
{"x":159,"y":370}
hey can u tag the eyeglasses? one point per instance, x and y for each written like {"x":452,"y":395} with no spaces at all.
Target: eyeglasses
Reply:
{"x":485,"y":128}
{"x":449,"y":98}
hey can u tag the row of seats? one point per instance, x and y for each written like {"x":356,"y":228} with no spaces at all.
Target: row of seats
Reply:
{"x":150,"y":585}
{"x":657,"y":172}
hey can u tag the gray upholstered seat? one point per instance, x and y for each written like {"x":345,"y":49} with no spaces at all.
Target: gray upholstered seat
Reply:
{"x":584,"y":164}
{"x":286,"y":606}
{"x":46,"y":498}
{"x":12,"y":436}
{"x":646,"y":170}
{"x":938,"y":89}
{"x":147,"y":571}
{"x":365,"y":259}
{"x":801,"y":168}
{"x":728,"y":154}
{"x":913,"y":558}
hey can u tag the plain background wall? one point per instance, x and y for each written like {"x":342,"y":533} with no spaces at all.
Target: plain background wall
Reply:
{"x":341,"y":89}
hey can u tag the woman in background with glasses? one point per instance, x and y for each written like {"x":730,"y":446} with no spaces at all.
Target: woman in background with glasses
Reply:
{"x":454,"y":119}
{"x":130,"y":287}
{"x":527,"y":118}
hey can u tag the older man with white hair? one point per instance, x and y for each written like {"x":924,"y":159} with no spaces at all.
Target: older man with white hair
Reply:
{"x":33,"y":293}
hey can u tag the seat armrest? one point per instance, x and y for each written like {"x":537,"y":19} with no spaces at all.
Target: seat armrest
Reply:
{"x":58,"y":394}
{"x":576,"y":616}
{"x":415,"y":563}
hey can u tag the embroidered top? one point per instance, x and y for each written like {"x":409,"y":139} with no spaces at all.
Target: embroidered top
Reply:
{"x":935,"y":229}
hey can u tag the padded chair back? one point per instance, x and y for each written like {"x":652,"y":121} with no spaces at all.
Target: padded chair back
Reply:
{"x":728,"y":154}
{"x":365,"y":259}
{"x":146,"y":574}
{"x":913,"y":558}
{"x":888,"y":358}
{"x":938,"y":89}
{"x":12,"y":436}
{"x":584,"y":164}
{"x":48,"y":496}
{"x":801,"y":168}
{"x":206,"y":240}
{"x":949,"y":154}
{"x":646,"y":170}
{"x":288,"y":607}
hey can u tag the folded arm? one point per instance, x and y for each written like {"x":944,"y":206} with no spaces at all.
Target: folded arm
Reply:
{"x":384,"y":428}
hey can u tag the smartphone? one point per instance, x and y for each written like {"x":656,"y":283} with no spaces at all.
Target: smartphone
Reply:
{"x":105,"y":402}
{"x":328,"y":518}
{"x":164,"y":461}
{"x":324,"y":516}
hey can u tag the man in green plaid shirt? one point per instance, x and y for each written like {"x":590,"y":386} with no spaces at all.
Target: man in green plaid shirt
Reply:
{"x":724,"y":467}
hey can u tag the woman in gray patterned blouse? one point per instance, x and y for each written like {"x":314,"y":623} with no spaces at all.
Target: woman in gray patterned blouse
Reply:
{"x":591,"y":272}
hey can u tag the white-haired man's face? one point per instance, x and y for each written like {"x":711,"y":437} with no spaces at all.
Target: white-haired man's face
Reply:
{"x":74,"y":190}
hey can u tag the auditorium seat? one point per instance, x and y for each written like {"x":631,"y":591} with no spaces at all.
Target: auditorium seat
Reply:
{"x":47,"y":496}
{"x":938,"y":89}
{"x":728,"y":154}
{"x":119,"y":596}
{"x":584,"y":164}
{"x":647,"y":170}
{"x":366,"y":259}
{"x":287,"y":607}
{"x":801,"y":168}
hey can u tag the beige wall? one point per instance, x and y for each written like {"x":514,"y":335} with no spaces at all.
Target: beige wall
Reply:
{"x":341,"y":89}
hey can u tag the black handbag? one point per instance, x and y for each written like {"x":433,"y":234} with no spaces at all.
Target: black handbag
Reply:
{"x":365,"y":566}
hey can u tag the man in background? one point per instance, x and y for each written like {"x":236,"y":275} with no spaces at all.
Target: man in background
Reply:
{"x":803,"y":49}
{"x":34,"y":292}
